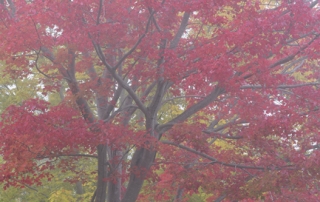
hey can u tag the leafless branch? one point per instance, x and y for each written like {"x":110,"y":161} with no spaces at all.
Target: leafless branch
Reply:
{"x":93,"y":196}
{"x":281,"y":86}
{"x":181,"y":30}
{"x":215,"y":161}
{"x":313,"y":4}
{"x":300,"y":37}
{"x":221,"y":127}
{"x":36,"y":65}
{"x":220,"y":198}
{"x":68,"y":155}
{"x":118,"y":111}
{"x":38,"y":52}
{"x":48,"y":54}
{"x":136,"y":44}
{"x":182,"y":97}
{"x":192,"y":110}
{"x":148,"y":90}
{"x":114,"y":100}
{"x":111,"y":69}
{"x":12,"y":8}
{"x":224,"y":136}
{"x":99,"y":11}
{"x":300,"y":60}
{"x":29,"y":187}
{"x":291,"y":57}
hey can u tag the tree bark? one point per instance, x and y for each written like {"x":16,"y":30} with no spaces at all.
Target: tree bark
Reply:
{"x":102,"y":174}
{"x":178,"y":197}
{"x":114,"y":187}
{"x":140,"y":164}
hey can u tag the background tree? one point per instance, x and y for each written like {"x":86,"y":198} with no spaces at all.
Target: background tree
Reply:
{"x":191,"y":95}
{"x":16,"y":91}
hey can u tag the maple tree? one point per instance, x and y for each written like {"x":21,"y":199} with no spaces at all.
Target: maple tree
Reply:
{"x":170,"y":97}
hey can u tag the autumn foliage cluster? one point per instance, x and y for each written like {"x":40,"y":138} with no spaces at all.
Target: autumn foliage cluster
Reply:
{"x":169,"y":99}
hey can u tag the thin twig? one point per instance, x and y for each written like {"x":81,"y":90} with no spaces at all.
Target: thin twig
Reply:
{"x":280,"y":86}
{"x":67,"y":155}
{"x":136,"y":44}
{"x":41,"y":72}
{"x":233,"y":165}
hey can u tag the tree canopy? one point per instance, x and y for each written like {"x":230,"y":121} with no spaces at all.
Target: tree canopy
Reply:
{"x":171,"y":100}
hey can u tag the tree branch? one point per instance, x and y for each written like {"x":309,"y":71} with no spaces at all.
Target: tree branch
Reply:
{"x":220,"y":135}
{"x":313,"y":4}
{"x":301,"y":60}
{"x":148,"y":90}
{"x":12,"y":8}
{"x":73,"y":85}
{"x":120,"y":81}
{"x":281,"y":86}
{"x":182,"y":97}
{"x":192,"y":110}
{"x":99,"y":11}
{"x":181,"y":30}
{"x":36,"y":65}
{"x":290,"y":57}
{"x":215,"y":161}
{"x":29,"y":187}
{"x":111,"y":69}
{"x":137,"y":43}
{"x":67,"y":155}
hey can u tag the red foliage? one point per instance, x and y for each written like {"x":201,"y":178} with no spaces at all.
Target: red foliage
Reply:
{"x":242,"y":75}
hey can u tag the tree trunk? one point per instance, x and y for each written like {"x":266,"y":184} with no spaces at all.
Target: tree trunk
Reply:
{"x":114,"y":188}
{"x":140,"y":165}
{"x":79,"y":191}
{"x":102,"y":174}
{"x":178,"y":197}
